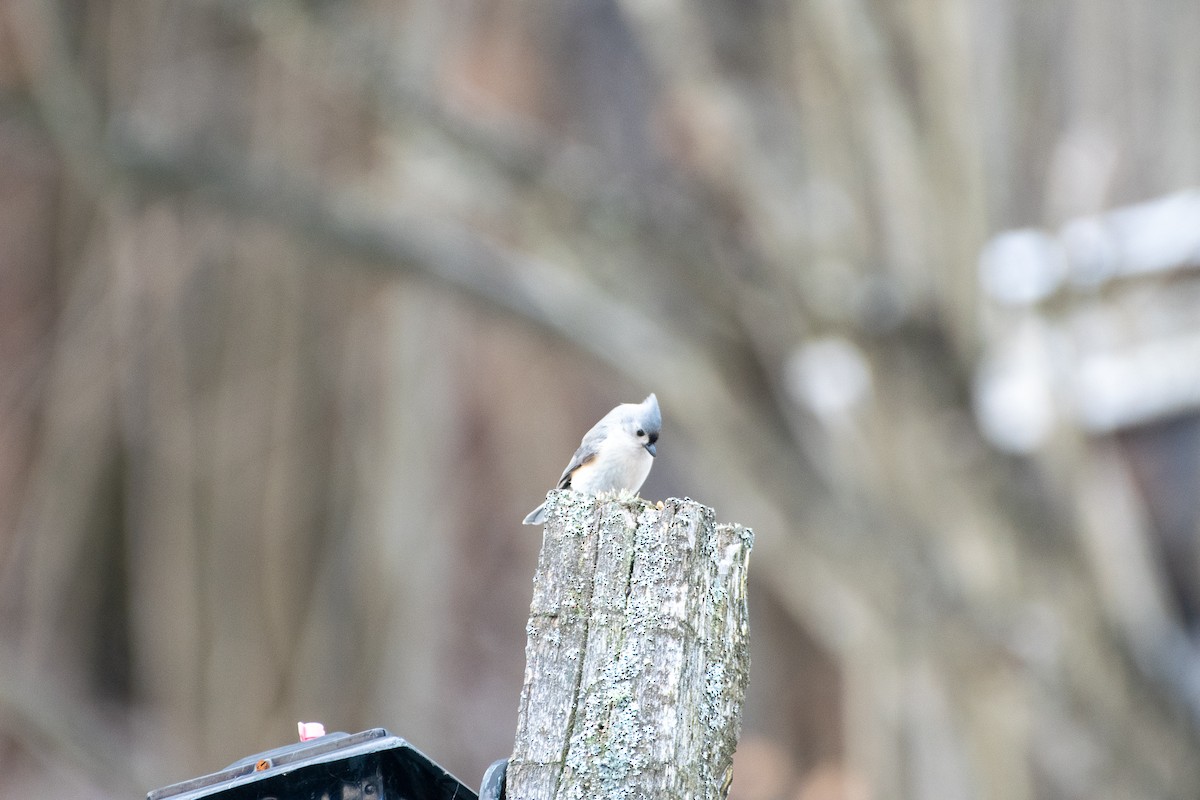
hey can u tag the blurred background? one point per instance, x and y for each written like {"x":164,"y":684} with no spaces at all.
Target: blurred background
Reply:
{"x":305,"y":303}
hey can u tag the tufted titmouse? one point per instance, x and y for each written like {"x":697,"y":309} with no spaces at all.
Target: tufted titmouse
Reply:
{"x":615,"y":454}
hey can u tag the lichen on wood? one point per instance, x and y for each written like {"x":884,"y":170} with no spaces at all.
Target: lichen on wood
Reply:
{"x":636,"y":654}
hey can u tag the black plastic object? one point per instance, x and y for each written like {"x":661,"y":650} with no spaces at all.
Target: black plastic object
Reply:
{"x":372,"y":765}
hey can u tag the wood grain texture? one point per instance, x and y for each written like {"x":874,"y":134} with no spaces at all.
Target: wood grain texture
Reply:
{"x":637,"y":652}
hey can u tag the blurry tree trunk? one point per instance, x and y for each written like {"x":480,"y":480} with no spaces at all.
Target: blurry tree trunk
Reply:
{"x":278,"y":277}
{"x":637,"y":653}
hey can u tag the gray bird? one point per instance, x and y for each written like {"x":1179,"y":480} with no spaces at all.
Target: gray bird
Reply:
{"x":615,"y":454}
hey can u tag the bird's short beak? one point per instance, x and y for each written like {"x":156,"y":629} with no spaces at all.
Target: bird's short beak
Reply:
{"x":651,"y":448}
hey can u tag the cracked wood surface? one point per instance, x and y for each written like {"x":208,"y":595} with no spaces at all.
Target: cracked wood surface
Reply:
{"x":637,"y":653}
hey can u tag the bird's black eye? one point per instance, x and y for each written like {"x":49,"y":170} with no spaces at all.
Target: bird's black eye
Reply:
{"x":641,"y":432}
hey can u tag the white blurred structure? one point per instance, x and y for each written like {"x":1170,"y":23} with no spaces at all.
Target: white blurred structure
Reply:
{"x":1097,"y":324}
{"x":829,"y":376}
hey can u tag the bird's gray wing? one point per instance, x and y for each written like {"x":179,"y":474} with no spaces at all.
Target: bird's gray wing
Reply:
{"x":588,"y":449}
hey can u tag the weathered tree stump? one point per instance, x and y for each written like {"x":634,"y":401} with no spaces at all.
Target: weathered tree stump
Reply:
{"x":637,"y":653}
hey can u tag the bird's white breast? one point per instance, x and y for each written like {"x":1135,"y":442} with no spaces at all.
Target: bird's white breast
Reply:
{"x":620,"y":463}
